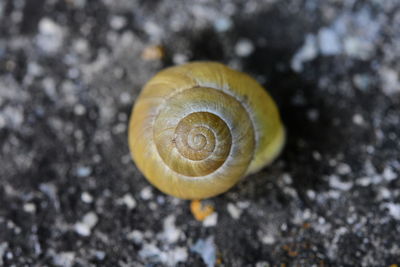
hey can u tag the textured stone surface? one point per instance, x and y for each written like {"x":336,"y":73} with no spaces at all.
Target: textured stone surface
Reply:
{"x":70,"y":195}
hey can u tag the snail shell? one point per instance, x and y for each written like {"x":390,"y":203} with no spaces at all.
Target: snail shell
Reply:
{"x":196,"y":129}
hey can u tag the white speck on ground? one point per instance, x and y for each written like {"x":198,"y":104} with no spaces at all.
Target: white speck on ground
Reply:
{"x":329,"y":42}
{"x":65,"y":259}
{"x":358,"y":119}
{"x":268,"y":239}
{"x":234,"y":211}
{"x":146,"y":193}
{"x":311,"y":194}
{"x":55,"y":98}
{"x":306,"y":53}
{"x":30,"y":207}
{"x":83,"y":171}
{"x":51,"y":36}
{"x":151,"y":253}
{"x":100,"y":255}
{"x":171,"y":233}
{"x":390,"y":80}
{"x":117,"y":22}
{"x":79,"y":109}
{"x":394,"y":210}
{"x":335,"y":182}
{"x":222,"y":24}
{"x":136,"y":236}
{"x":128,"y":200}
{"x":179,"y":254}
{"x":211,"y":220}
{"x":244,"y":48}
{"x":388,"y":174}
{"x":153,"y":30}
{"x":207,"y":250}
{"x":179,"y":58}
{"x":86,"y":197}
{"x":12,"y":116}
{"x":85,"y":226}
{"x":384,"y":193}
{"x":343,"y":168}
{"x":362,"y":81}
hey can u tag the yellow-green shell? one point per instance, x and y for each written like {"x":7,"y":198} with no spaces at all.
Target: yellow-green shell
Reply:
{"x":197,"y":129}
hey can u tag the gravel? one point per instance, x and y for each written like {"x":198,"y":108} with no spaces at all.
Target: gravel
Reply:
{"x":70,"y":195}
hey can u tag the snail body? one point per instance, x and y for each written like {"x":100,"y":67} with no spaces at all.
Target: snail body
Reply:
{"x":197,"y":129}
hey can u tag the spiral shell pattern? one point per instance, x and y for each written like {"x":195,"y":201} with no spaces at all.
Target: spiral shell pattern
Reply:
{"x":195,"y":131}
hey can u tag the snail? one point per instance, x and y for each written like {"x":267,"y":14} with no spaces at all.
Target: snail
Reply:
{"x":197,"y":129}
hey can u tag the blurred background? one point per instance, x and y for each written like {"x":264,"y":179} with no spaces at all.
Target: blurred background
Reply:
{"x":70,"y":71}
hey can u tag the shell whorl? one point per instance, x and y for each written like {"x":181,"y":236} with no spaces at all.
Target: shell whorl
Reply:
{"x":193,"y":134}
{"x":194,"y":130}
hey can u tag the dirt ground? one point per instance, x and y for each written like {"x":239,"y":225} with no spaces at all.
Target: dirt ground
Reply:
{"x":70,"y":195}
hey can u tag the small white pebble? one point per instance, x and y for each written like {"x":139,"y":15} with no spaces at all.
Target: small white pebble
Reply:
{"x":65,"y":259}
{"x":100,"y":255}
{"x":361,"y":81}
{"x":244,"y":48}
{"x":51,"y":35}
{"x":222,"y":24}
{"x":119,"y":128}
{"x":394,"y":210}
{"x":364,"y":181}
{"x":243,"y":204}
{"x":390,"y":80}
{"x":335,"y":182}
{"x":30,"y":207}
{"x":306,"y":53}
{"x":86,"y":197}
{"x":136,"y":236}
{"x":287,"y":179}
{"x":306,"y":214}
{"x":125,"y":98}
{"x":316,"y":155}
{"x":329,"y":42}
{"x":117,"y":22}
{"x":234,"y":211}
{"x":171,"y":233}
{"x":343,"y":168}
{"x":82,"y":229}
{"x":84,"y":171}
{"x":384,"y":193}
{"x":311,"y":194}
{"x":179,"y":59}
{"x":79,"y":109}
{"x":211,"y":220}
{"x":268,"y":239}
{"x":358,"y":119}
{"x":146,"y":193}
{"x":81,"y":45}
{"x":129,"y":201}
{"x":389,"y":174}
{"x":153,"y":205}
{"x":176,"y":255}
{"x":85,"y":226}
{"x":207,"y":250}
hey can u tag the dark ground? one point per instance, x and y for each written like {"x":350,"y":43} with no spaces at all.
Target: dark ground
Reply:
{"x":70,"y":195}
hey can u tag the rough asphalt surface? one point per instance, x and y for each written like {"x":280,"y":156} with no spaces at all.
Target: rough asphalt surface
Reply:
{"x":71,"y":196}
